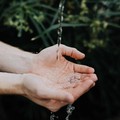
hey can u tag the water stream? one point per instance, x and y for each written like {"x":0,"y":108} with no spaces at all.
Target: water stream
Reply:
{"x":69,"y":111}
{"x":70,"y":108}
{"x":53,"y":116}
{"x":60,"y":20}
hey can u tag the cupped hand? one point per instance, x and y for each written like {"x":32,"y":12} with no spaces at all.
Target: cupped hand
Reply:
{"x":51,"y":65}
{"x":53,"y":95}
{"x":56,"y":68}
{"x":42,"y":91}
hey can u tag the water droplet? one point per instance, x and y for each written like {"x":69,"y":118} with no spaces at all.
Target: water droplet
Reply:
{"x":53,"y":116}
{"x":69,"y":111}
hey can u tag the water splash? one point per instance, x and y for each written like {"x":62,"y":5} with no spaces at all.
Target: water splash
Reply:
{"x":53,"y":116}
{"x":70,"y":108}
{"x":69,"y":111}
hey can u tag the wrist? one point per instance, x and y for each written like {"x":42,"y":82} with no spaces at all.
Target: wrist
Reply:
{"x":11,"y":83}
{"x":14,"y":60}
{"x":27,"y":61}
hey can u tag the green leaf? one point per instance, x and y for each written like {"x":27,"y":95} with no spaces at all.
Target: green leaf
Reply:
{"x":53,"y":27}
{"x":114,"y":25}
{"x":39,"y":32}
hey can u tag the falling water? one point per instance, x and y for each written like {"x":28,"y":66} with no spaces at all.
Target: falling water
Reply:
{"x":70,"y":108}
{"x":69,"y":111}
{"x":53,"y":116}
{"x":60,"y":20}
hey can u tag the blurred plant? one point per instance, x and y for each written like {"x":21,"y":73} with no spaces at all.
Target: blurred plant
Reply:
{"x":24,"y":14}
{"x":41,"y":16}
{"x":99,"y":16}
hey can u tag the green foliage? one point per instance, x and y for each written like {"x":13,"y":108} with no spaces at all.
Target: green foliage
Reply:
{"x":41,"y":16}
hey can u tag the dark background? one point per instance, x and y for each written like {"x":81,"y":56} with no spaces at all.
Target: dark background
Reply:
{"x":92,"y":27}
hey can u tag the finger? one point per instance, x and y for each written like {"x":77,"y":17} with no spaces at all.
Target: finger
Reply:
{"x":93,"y":77}
{"x":71,"y":52}
{"x":89,"y":76}
{"x":83,"y":68}
{"x":82,"y":88}
{"x":60,"y":95}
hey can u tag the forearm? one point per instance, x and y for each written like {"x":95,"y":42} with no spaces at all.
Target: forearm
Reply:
{"x":15,"y":60}
{"x":10,"y":83}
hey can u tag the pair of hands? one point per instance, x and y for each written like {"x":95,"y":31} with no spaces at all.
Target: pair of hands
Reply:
{"x":55,"y":83}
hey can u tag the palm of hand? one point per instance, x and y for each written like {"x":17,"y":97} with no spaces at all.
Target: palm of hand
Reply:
{"x":60,"y":70}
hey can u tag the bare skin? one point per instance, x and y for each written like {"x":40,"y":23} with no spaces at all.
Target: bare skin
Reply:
{"x":60,"y":71}
{"x":46,"y":64}
{"x":46,"y":80}
{"x":53,"y":95}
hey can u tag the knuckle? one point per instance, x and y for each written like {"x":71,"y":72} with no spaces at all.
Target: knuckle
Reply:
{"x":74,"y":49}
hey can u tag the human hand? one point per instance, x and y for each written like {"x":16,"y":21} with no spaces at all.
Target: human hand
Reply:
{"x":53,"y":95}
{"x":63,"y":72}
{"x":42,"y":91}
{"x":66,"y":80}
{"x":48,"y":66}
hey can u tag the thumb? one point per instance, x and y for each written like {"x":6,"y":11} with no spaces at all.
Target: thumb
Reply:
{"x":58,"y":95}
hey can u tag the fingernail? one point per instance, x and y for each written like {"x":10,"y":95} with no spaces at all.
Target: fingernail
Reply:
{"x":83,"y":54}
